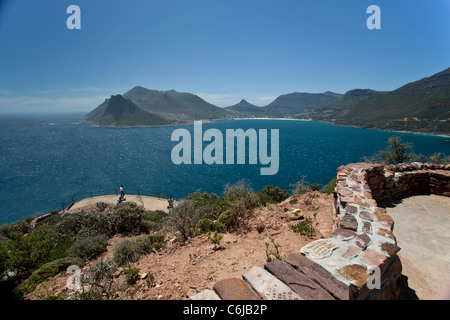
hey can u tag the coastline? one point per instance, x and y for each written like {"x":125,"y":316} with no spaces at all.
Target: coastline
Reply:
{"x":435,"y":134}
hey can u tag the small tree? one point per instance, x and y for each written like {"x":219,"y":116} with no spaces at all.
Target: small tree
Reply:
{"x":185,"y":218}
{"x":396,"y":152}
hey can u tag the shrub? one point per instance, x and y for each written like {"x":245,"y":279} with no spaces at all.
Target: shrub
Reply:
{"x":207,"y":225}
{"x":215,"y":239}
{"x":185,"y":218}
{"x":241,"y":193}
{"x":315,"y":187}
{"x":329,"y":188}
{"x":149,"y":242}
{"x":227,"y":218}
{"x":131,"y":275}
{"x":21,"y":227}
{"x":155,"y":216}
{"x":48,"y":270}
{"x":396,"y":152}
{"x":101,"y":206}
{"x":306,"y":226}
{"x":271,"y":194}
{"x":98,"y":282}
{"x":27,"y":253}
{"x":88,"y":247}
{"x":126,"y":252}
{"x":127,"y":217}
{"x":241,"y":200}
{"x":273,"y":254}
{"x":439,"y":158}
{"x":300,"y":187}
{"x":152,"y":221}
{"x":85,"y":224}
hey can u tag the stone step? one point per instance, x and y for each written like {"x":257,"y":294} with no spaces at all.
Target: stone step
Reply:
{"x":234,"y":289}
{"x":319,"y":274}
{"x":268,"y":286}
{"x":299,"y":282}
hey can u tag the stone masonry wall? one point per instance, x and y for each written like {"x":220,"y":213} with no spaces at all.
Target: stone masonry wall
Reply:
{"x":363,"y":241}
{"x":359,"y":261}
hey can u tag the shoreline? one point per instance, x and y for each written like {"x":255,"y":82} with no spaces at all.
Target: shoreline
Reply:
{"x":434,"y":134}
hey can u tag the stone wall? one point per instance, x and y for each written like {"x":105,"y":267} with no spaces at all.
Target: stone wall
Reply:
{"x":363,"y":247}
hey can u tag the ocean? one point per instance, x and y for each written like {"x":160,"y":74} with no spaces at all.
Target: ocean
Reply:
{"x":48,"y":161}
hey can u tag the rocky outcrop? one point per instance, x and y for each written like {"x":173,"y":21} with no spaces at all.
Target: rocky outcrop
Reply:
{"x":359,"y":261}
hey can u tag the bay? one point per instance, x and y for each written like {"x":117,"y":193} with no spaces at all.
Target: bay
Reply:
{"x":47,"y":161}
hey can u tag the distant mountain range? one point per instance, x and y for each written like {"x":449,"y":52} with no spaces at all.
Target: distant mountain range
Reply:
{"x":420,"y":106}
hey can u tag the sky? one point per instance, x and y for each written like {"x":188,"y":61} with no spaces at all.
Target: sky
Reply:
{"x":221,"y":50}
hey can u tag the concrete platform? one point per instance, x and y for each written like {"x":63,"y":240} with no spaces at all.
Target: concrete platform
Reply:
{"x":422,"y":229}
{"x":149,"y":203}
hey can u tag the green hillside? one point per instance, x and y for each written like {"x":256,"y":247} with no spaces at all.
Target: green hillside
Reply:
{"x":296,"y":102}
{"x":244,"y":108}
{"x":118,"y":111}
{"x":174,"y":105}
{"x":421,"y":106}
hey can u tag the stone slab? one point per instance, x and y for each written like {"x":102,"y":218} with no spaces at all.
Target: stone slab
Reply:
{"x":300,"y":283}
{"x":319,"y":249}
{"x":268,"y":286}
{"x":319,"y":274}
{"x":234,"y":289}
{"x":205,"y":295}
{"x":348,"y":222}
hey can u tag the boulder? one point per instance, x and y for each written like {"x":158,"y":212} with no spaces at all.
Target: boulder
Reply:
{"x":295,"y":214}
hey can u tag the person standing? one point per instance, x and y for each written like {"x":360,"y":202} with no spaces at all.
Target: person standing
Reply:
{"x":122,"y":192}
{"x":170,"y":203}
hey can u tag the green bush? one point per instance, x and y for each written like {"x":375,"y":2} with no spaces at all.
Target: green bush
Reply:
{"x":21,"y":227}
{"x":27,"y":253}
{"x":271,"y":194}
{"x":152,"y":221}
{"x":329,"y":188}
{"x":215,"y":238}
{"x":396,"y":152}
{"x":91,"y":223}
{"x":149,"y":242}
{"x":275,"y":253}
{"x":315,"y":187}
{"x":89,"y":247}
{"x":101,"y":206}
{"x":300,"y":187}
{"x":227,"y":218}
{"x":127,"y":218}
{"x":126,"y":252}
{"x":48,"y":270}
{"x":306,"y":227}
{"x":155,"y":216}
{"x":207,"y":225}
{"x":131,"y":275}
{"x":99,"y":282}
{"x":241,"y":193}
{"x":184,"y":218}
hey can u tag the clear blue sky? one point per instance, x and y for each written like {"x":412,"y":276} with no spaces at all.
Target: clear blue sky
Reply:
{"x":222,"y":50}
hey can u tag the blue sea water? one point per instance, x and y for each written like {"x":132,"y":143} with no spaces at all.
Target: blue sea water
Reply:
{"x":47,"y":161}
